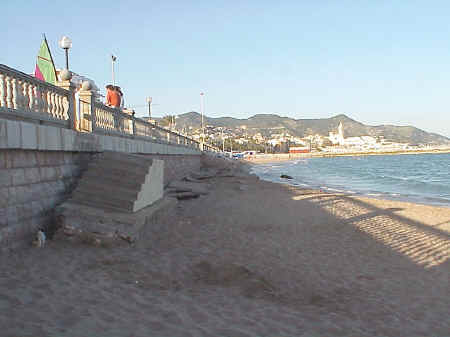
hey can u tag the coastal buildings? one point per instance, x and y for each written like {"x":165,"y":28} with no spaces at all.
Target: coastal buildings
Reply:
{"x":281,"y":140}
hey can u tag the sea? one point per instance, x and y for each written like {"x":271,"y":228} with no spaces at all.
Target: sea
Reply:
{"x":419,"y":178}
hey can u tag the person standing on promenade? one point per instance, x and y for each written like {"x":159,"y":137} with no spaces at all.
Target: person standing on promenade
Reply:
{"x":112,"y":97}
{"x":122,"y":102}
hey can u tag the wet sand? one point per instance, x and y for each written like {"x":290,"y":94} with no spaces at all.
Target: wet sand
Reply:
{"x":251,"y":258}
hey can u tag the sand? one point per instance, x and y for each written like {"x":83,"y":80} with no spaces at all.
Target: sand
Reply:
{"x":251,"y":258}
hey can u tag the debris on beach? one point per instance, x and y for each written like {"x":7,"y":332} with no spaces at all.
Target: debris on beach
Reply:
{"x":187,"y":195}
{"x":179,"y":187}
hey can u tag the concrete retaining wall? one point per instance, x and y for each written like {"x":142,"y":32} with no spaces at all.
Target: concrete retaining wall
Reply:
{"x":39,"y":164}
{"x":178,"y":166}
{"x":31,"y":184}
{"x":29,"y":136}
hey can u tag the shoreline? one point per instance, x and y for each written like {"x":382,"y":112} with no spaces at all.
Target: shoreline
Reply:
{"x":381,"y":196}
{"x":269,"y":158}
{"x":413,"y":199}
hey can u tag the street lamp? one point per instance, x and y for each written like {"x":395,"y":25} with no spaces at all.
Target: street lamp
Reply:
{"x":202,"y":104}
{"x":149,"y":101}
{"x":66,"y":43}
{"x":113,"y":59}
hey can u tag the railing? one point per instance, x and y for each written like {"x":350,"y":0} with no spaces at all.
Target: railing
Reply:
{"x":107,"y":120}
{"x":23,"y":96}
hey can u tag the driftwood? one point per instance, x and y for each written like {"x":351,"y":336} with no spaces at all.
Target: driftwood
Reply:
{"x":187,"y":195}
{"x":180,"y":187}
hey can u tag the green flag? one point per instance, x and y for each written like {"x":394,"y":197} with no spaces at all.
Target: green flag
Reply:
{"x":45,"y":68}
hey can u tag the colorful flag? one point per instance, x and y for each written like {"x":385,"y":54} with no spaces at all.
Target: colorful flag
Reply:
{"x":45,"y":68}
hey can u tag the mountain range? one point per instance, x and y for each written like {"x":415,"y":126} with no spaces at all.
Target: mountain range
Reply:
{"x":268,"y":124}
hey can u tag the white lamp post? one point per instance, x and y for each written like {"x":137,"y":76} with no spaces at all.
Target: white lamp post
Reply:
{"x":202,"y":104}
{"x":149,"y":102}
{"x":113,"y":59}
{"x":66,"y":43}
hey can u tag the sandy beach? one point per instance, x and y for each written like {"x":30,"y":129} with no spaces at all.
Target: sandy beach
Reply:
{"x":251,"y":258}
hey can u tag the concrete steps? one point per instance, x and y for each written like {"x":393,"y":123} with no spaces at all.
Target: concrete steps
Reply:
{"x":120,"y":182}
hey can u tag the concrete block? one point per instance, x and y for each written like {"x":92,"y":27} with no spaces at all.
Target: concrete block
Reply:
{"x":12,"y":214}
{"x":31,"y":158}
{"x":68,"y":139}
{"x":41,"y":158}
{"x":3,"y":157}
{"x":66,"y":171}
{"x":4,"y":197}
{"x":3,"y":135}
{"x":127,"y":146}
{"x":49,"y":138}
{"x":68,"y":158}
{"x":12,"y":196}
{"x":108,"y":143}
{"x":5,"y":178}
{"x":54,"y":158}
{"x":32,"y":175}
{"x":18,"y":158}
{"x":121,"y":142}
{"x":3,"y":219}
{"x":55,"y":139}
{"x":157,"y":148}
{"x":23,"y":194}
{"x":18,"y":176}
{"x":47,"y":173}
{"x":37,"y":207}
{"x":29,"y":135}
{"x":14,"y":134}
{"x":36,"y":191}
{"x":141,"y":148}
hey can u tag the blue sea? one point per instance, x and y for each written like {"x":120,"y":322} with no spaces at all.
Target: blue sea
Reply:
{"x":420,"y":178}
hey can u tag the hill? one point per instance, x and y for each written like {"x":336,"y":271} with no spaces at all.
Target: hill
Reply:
{"x":268,"y":124}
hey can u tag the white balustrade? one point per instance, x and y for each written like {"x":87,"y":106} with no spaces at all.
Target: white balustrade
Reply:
{"x":2,"y":90}
{"x":24,"y":93}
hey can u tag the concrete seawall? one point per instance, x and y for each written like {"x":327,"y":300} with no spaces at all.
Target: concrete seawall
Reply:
{"x":40,"y":165}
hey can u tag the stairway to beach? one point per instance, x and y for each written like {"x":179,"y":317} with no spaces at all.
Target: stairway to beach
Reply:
{"x":120,"y":182}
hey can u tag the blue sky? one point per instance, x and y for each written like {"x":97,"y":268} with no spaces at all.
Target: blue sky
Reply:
{"x":379,"y":62}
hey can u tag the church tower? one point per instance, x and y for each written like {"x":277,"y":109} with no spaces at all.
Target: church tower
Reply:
{"x":341,"y":134}
{"x":341,"y":130}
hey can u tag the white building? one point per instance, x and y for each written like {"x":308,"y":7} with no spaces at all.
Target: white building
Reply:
{"x":337,"y":138}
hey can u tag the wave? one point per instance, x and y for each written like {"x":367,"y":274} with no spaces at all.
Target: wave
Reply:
{"x":394,"y":177}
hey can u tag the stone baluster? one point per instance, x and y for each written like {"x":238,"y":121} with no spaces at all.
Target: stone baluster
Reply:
{"x":54,"y":106}
{"x":65,"y":105}
{"x":9,"y":93}
{"x":38,"y":94}
{"x":44,"y":97}
{"x":15,"y":93}
{"x":20,"y":99}
{"x":49,"y":102}
{"x":32,"y":104}
{"x":61,"y":106}
{"x":35,"y":98}
{"x":2,"y":91}
{"x":25,"y":98}
{"x":58,"y":106}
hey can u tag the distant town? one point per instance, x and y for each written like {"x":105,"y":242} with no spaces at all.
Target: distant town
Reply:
{"x":278,"y":140}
